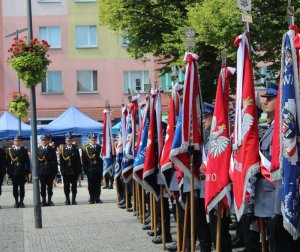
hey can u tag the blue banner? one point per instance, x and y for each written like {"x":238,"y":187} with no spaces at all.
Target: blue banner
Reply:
{"x":289,"y":135}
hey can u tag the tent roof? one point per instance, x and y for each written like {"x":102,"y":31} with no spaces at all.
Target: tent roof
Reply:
{"x":9,"y":126}
{"x":74,"y":121}
{"x":116,"y":128}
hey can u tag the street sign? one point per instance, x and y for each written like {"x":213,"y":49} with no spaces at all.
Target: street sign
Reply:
{"x":244,"y":5}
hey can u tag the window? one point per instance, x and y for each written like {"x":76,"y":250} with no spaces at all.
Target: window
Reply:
{"x":86,"y":36}
{"x":166,"y":79}
{"x":53,"y":82}
{"x":124,"y":42}
{"x":52,"y":35}
{"x":87,"y":81}
{"x":136,"y":80}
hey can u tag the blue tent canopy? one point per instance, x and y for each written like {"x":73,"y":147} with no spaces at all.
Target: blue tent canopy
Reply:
{"x":74,"y":121}
{"x":115,"y":128}
{"x":9,"y":127}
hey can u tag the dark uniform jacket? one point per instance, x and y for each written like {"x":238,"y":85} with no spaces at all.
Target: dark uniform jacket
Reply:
{"x":47,"y":161}
{"x":70,"y":163}
{"x":18,"y":163}
{"x":2,"y":163}
{"x":91,"y":160}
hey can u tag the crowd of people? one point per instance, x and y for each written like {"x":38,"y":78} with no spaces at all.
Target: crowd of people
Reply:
{"x":263,"y":203}
{"x":67,"y":162}
{"x":262,"y":211}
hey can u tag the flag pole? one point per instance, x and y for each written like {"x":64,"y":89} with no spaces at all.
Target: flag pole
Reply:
{"x":162,"y":218}
{"x":143,"y":205}
{"x":178,"y":227}
{"x":154,"y":216}
{"x":151,"y":211}
{"x":190,"y":36}
{"x":134,"y":196}
{"x":185,"y":223}
{"x":247,"y":18}
{"x":220,"y":209}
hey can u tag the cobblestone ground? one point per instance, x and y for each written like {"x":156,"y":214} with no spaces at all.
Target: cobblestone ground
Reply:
{"x":83,"y":227}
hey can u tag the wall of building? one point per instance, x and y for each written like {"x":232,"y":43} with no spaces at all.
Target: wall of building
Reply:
{"x":109,"y":59}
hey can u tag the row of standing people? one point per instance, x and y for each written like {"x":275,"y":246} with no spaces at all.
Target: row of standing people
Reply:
{"x":16,"y":163}
{"x":262,"y":207}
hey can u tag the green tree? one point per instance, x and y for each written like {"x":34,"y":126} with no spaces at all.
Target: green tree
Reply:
{"x":157,"y":27}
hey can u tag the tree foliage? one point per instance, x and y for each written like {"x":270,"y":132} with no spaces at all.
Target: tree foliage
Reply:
{"x":157,"y":27}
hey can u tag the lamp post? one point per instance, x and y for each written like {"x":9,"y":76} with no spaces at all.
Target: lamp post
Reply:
{"x":16,"y":33}
{"x":35,"y":178}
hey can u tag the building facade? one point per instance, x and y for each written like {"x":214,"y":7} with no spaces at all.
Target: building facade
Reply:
{"x":89,"y":62}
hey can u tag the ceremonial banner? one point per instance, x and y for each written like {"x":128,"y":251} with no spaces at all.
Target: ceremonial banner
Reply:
{"x":191,"y":120}
{"x":245,"y":138}
{"x":128,"y":149}
{"x":121,"y":143}
{"x":289,"y":122}
{"x":167,"y":167}
{"x":217,"y":183}
{"x":131,"y":136}
{"x":151,"y":158}
{"x":139,"y":159}
{"x":119,"y":155}
{"x":108,"y":149}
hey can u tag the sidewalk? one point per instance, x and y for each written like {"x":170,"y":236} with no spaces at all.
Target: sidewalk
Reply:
{"x":83,"y":227}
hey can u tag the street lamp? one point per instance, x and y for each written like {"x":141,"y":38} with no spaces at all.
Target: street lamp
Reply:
{"x":34,"y":161}
{"x":16,"y":33}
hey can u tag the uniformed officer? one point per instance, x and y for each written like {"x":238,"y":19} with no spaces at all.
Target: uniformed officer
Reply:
{"x":18,"y":166}
{"x":70,"y":167}
{"x":93,"y":167}
{"x":47,"y":161}
{"x":2,"y":167}
{"x":265,"y":197}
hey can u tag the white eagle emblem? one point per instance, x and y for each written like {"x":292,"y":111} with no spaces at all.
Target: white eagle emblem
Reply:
{"x":247,"y":118}
{"x":217,"y":143}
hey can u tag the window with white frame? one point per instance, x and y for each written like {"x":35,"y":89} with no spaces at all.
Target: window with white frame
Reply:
{"x":124,"y":41}
{"x":53,"y":82}
{"x":51,"y":34}
{"x":87,"y":81}
{"x":166,"y":79}
{"x":86,"y":36}
{"x":135,"y":80}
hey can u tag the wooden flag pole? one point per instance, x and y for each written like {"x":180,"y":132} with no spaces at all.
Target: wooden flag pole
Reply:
{"x":178,"y":227}
{"x":220,"y":209}
{"x":192,"y":205}
{"x":190,"y":42}
{"x":117,"y":192}
{"x":126,"y":195}
{"x":139,"y":201}
{"x":162,"y":218}
{"x":154,"y":216}
{"x":151,"y":211}
{"x":133,"y":195}
{"x":143,"y":205}
{"x":219,"y":227}
{"x":185,"y":223}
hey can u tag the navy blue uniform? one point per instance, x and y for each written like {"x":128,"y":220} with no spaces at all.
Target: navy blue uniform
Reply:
{"x":93,"y":168}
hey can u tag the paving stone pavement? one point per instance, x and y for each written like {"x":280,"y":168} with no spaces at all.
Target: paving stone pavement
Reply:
{"x":83,"y":227}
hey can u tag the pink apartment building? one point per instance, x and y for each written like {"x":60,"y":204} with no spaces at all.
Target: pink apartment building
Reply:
{"x":89,"y":61}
